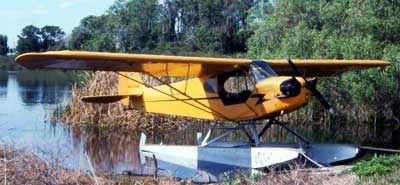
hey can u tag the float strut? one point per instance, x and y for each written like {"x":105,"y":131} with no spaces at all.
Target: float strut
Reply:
{"x":266,"y":127}
{"x":247,"y":134}
{"x":254,"y":133}
{"x":293,"y":132}
{"x":206,"y":143}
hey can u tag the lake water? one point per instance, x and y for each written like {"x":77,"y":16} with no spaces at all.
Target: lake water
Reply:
{"x":29,"y":99}
{"x":27,"y":103}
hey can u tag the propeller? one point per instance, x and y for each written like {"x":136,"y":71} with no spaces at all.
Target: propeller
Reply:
{"x":312,"y":86}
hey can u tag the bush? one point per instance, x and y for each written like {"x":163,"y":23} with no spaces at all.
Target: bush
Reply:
{"x":378,"y":165}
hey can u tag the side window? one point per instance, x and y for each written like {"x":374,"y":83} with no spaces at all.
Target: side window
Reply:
{"x":238,"y":84}
{"x":211,"y":85}
{"x":235,"y":87}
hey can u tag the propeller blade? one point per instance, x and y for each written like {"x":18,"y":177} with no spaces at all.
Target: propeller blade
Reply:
{"x":312,"y":87}
{"x":322,"y":100}
{"x":296,"y":70}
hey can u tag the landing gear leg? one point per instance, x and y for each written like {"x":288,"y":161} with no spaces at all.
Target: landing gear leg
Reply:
{"x":253,"y":136}
{"x":254,"y":133}
{"x":274,"y":121}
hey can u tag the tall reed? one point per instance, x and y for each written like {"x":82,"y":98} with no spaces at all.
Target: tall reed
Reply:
{"x":115,"y":114}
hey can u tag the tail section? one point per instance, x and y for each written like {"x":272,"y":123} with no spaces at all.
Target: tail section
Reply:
{"x":104,"y":98}
{"x":130,"y":89}
{"x":130,"y":86}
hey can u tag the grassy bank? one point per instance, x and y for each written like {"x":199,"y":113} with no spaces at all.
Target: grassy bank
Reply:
{"x":380,"y":170}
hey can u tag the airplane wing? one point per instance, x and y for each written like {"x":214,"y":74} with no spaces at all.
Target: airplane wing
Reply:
{"x":162,"y":65}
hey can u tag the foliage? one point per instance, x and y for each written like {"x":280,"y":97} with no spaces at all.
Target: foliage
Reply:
{"x":3,"y":45}
{"x":378,"y":165}
{"x":34,"y":39}
{"x":349,"y":29}
{"x":175,"y":25}
{"x":92,"y":34}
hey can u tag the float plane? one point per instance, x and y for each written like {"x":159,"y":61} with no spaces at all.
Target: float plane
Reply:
{"x":244,"y":91}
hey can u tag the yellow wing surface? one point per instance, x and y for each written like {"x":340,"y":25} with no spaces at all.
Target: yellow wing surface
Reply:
{"x":162,"y":65}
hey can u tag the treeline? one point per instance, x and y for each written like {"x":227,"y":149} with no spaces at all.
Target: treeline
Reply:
{"x":319,"y":29}
{"x":34,"y":39}
{"x":31,"y":39}
{"x":174,"y":26}
{"x":4,"y":49}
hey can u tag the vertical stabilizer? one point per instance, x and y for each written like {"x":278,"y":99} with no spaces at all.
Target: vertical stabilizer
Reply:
{"x":129,"y":86}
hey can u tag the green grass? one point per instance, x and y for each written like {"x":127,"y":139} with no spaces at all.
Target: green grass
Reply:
{"x":377,"y":165}
{"x":379,"y":170}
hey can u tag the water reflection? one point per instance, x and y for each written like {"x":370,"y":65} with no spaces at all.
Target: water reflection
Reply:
{"x":3,"y":83}
{"x":43,"y":87}
{"x":28,"y":100}
{"x":116,"y":151}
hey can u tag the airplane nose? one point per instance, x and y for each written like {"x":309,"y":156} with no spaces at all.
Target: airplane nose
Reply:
{"x":290,"y":87}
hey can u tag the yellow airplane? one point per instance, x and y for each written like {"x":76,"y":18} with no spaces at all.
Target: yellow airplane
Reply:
{"x":245,"y":91}
{"x":228,"y":89}
{"x":212,"y":88}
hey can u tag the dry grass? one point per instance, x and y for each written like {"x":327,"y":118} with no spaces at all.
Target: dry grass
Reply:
{"x":20,"y":167}
{"x":144,"y":180}
{"x":296,"y":176}
{"x":390,"y":179}
{"x":114,"y":114}
{"x":301,"y":177}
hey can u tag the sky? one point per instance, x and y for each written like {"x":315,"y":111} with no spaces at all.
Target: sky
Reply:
{"x":16,"y":14}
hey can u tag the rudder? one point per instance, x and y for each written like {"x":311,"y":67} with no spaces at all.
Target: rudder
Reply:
{"x":128,"y":84}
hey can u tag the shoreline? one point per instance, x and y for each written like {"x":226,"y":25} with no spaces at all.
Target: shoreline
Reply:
{"x":23,"y":167}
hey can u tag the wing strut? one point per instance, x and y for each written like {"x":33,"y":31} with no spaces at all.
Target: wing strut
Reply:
{"x":142,"y":83}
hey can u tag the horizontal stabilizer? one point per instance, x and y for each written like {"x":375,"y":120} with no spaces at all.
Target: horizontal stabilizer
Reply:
{"x":105,"y":98}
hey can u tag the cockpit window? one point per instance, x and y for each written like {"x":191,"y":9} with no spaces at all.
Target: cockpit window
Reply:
{"x":235,"y":87}
{"x":238,"y":84}
{"x":261,"y":70}
{"x":211,"y":85}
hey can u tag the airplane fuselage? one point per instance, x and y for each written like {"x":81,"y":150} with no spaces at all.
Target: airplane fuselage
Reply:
{"x":191,"y":98}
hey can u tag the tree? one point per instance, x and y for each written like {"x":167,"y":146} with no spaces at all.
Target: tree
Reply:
{"x":29,"y":40}
{"x":3,"y":45}
{"x":51,"y":37}
{"x":175,"y":25}
{"x":207,"y":25}
{"x":94,"y":34}
{"x":137,"y":24}
{"x":34,"y":39}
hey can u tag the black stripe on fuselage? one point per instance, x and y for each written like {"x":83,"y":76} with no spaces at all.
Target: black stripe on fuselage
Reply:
{"x":186,"y":99}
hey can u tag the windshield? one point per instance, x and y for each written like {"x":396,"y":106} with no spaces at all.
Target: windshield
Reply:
{"x":261,"y":70}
